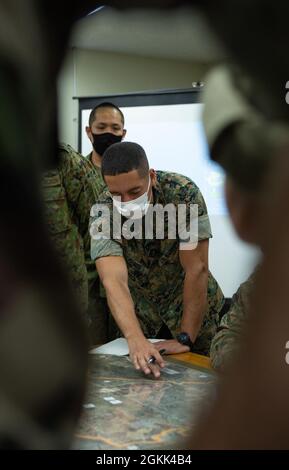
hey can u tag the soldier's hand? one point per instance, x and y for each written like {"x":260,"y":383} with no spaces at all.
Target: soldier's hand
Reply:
{"x":145,"y":356}
{"x":171,"y":346}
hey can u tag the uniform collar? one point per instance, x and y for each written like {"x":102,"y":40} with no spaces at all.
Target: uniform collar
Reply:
{"x":89,"y":158}
{"x":158,"y":194}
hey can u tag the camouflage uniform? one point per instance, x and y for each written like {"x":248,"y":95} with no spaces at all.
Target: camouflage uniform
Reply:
{"x":69,"y":194}
{"x":102,"y":326}
{"x":227,"y":340}
{"x":156,"y":277}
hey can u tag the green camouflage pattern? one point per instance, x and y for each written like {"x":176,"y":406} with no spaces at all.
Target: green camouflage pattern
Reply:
{"x":61,"y":189}
{"x":69,"y":193}
{"x":226,"y":342}
{"x":156,"y":277}
{"x":95,"y":176}
{"x":101,"y":323}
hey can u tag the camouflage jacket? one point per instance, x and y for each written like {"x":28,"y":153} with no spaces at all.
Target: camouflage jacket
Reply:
{"x":99,"y":186}
{"x":156,"y":276}
{"x":69,"y":193}
{"x":230,"y":332}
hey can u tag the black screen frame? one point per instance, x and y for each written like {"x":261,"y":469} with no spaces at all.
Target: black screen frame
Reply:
{"x":145,"y":98}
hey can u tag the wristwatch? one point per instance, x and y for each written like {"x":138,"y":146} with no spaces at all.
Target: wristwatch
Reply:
{"x":185,"y":339}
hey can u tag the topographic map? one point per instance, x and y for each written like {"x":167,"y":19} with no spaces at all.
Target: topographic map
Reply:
{"x":124,"y":409}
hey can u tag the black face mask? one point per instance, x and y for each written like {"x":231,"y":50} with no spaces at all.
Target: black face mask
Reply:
{"x":101,"y":142}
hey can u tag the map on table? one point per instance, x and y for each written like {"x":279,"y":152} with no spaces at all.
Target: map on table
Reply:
{"x":124,"y":409}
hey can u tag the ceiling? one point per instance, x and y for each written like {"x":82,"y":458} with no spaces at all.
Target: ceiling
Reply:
{"x":175,"y":34}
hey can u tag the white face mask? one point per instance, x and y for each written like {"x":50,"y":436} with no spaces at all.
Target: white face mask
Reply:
{"x":134,"y":209}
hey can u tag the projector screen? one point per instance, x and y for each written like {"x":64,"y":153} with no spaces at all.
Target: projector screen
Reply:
{"x":168,"y":125}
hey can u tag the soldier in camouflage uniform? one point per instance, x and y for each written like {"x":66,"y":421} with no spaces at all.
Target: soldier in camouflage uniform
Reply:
{"x":64,"y":194}
{"x":106,"y":126}
{"x":157,"y":271}
{"x":252,"y":408}
{"x":69,"y":193}
{"x":234,"y":128}
{"x":229,"y":335}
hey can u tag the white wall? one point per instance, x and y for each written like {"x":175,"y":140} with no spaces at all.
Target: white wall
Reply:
{"x":231,"y":260}
{"x":94,"y":73}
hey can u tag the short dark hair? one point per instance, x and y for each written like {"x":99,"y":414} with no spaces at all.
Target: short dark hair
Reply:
{"x":124,"y":157}
{"x":104,"y":105}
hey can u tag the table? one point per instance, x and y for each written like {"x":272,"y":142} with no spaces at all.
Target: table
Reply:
{"x":124,"y":409}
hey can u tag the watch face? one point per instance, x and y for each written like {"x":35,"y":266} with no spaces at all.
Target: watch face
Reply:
{"x":184,"y":338}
